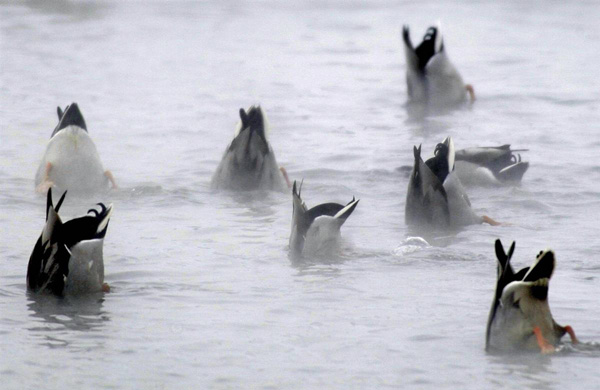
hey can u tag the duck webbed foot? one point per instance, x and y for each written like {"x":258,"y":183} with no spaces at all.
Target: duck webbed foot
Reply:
{"x":44,"y":186}
{"x":571,"y":333}
{"x":285,"y":176}
{"x":471,"y":92}
{"x":111,"y":178}
{"x":545,"y":346}
{"x":488,"y":220}
{"x":105,"y":288}
{"x":46,"y":183}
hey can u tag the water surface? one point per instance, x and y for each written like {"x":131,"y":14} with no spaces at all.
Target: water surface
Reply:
{"x":204,"y":293}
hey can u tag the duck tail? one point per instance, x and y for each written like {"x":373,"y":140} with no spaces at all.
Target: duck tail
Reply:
{"x":70,"y":117}
{"x":344,"y":213}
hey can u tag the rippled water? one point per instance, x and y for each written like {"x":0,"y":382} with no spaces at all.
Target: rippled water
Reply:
{"x":204,"y":293}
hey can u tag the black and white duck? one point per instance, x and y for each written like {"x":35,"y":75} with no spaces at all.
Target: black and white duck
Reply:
{"x":430,"y":76}
{"x":316,"y":230}
{"x":67,"y":258}
{"x":71,"y":161}
{"x":520,"y":317}
{"x":436,"y":199}
{"x":490,"y":165}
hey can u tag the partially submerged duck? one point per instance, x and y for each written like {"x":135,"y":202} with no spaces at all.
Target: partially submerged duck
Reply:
{"x":67,"y":258}
{"x":520,"y":317}
{"x":430,"y":76}
{"x":71,"y":161}
{"x":249,"y":161}
{"x":436,"y":198}
{"x":493,"y":165}
{"x":317,"y":229}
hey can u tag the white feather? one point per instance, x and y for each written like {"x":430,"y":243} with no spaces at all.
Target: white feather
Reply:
{"x":104,"y":222}
{"x":342,"y":211}
{"x":451,"y":154}
{"x":86,"y":267}
{"x":438,"y":37}
{"x":76,"y":164}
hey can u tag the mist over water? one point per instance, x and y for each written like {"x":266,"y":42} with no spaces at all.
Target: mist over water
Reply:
{"x":204,"y":294}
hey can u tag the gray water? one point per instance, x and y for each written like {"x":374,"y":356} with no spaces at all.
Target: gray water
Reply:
{"x":204,"y":294}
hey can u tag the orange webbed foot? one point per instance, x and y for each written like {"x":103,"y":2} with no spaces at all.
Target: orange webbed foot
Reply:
{"x":545,"y":347}
{"x":46,"y":183}
{"x":105,"y":288}
{"x":44,"y":186}
{"x":111,"y":178}
{"x":285,"y":176}
{"x":490,"y":221}
{"x":571,"y":333}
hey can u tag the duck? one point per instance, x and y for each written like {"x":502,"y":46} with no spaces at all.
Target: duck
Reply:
{"x":71,"y":161}
{"x":249,"y":162}
{"x":430,"y":76}
{"x":436,"y":199}
{"x":493,"y":165}
{"x":520,"y":317}
{"x":316,"y":230}
{"x":67,"y":258}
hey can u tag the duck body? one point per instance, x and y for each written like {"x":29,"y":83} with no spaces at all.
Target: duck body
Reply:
{"x":249,"y":161}
{"x":520,"y":316}
{"x":317,"y":230}
{"x":67,"y":257}
{"x":430,"y":76}
{"x":493,"y":165}
{"x":71,"y":161}
{"x":436,"y":198}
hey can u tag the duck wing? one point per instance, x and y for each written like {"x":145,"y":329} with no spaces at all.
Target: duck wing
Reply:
{"x":48,"y":264}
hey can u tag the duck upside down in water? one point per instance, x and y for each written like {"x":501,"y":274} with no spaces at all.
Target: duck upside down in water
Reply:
{"x":249,"y":161}
{"x":436,"y":199}
{"x":520,"y":317}
{"x":67,"y":258}
{"x":316,"y":230}
{"x":430,"y":76}
{"x":71,"y":160}
{"x":493,"y":165}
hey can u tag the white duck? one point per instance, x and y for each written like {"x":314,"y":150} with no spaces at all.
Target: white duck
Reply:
{"x":71,"y":161}
{"x":436,"y":199}
{"x":520,"y":317}
{"x":67,"y":258}
{"x":430,"y":76}
{"x":316,"y":230}
{"x":249,"y":161}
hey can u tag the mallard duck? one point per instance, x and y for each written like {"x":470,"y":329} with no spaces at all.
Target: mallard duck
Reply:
{"x":67,"y":258}
{"x":520,"y":317}
{"x":317,"y":229}
{"x":71,"y":161}
{"x":430,"y":76}
{"x":249,"y":161}
{"x":436,"y":198}
{"x":494,"y":165}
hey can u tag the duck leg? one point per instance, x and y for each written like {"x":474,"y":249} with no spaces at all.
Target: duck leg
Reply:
{"x":111,"y":178}
{"x":105,"y":287}
{"x":545,"y":346}
{"x":488,"y":220}
{"x":471,"y":92}
{"x":285,"y":176}
{"x":46,"y":183}
{"x":571,"y":333}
